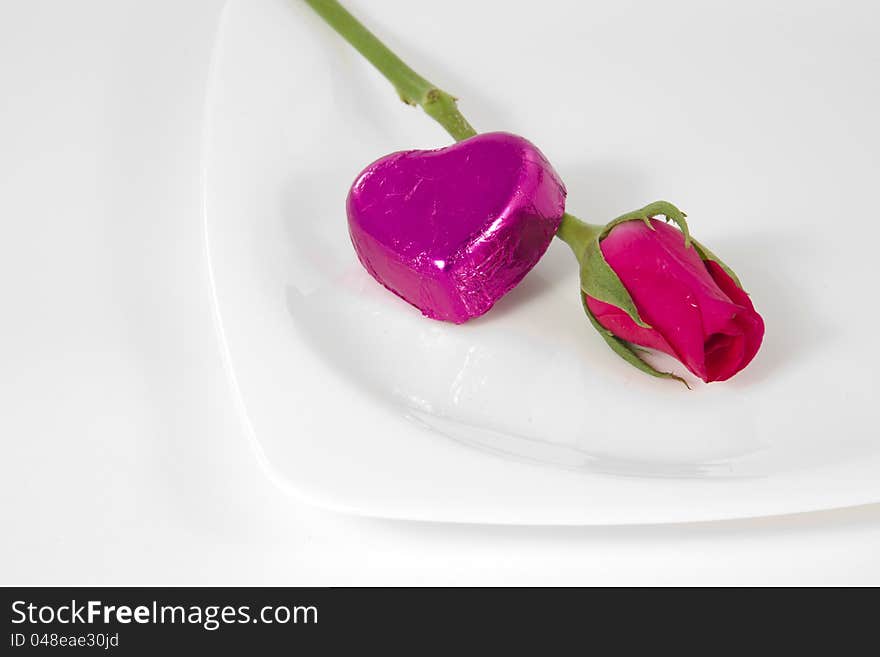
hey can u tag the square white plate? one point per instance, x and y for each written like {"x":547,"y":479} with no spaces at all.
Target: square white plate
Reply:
{"x":758,"y":120}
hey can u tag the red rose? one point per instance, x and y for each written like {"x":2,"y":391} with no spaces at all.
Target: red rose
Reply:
{"x":648,"y":284}
{"x":696,"y":311}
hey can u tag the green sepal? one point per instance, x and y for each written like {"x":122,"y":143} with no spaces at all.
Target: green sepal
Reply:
{"x":706,"y":254}
{"x":651,"y":210}
{"x":601,"y":282}
{"x":598,"y":279}
{"x":626,"y":351}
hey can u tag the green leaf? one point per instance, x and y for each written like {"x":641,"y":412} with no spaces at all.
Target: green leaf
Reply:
{"x":626,"y":351}
{"x":706,"y":254}
{"x":601,"y":282}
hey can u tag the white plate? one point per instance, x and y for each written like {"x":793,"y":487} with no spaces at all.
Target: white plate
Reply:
{"x":760,"y":122}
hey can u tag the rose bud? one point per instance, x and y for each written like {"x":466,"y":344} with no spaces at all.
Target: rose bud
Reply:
{"x":647,"y":284}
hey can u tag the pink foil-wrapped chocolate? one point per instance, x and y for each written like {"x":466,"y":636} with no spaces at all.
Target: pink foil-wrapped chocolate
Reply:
{"x":453,"y":230}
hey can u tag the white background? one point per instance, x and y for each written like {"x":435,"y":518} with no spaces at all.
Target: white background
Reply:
{"x":123,"y":459}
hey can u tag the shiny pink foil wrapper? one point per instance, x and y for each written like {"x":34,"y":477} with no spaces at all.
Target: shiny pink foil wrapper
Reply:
{"x":453,"y":230}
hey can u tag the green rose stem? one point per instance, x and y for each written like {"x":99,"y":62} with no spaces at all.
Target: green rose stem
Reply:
{"x":413,"y":89}
{"x":577,"y":234}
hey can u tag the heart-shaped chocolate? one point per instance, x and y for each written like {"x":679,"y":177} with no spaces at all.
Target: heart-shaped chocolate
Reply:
{"x":453,"y":230}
